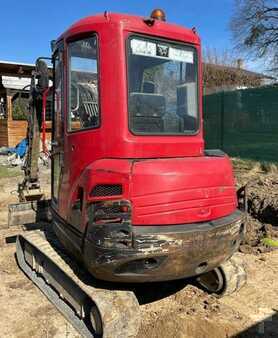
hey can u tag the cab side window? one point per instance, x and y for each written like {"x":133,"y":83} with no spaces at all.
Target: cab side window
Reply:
{"x":83,"y":84}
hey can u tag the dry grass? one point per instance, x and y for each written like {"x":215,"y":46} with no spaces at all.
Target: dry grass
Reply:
{"x":9,"y":172}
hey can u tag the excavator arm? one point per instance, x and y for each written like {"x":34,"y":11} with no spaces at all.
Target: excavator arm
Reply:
{"x":29,"y":189}
{"x":33,"y":206}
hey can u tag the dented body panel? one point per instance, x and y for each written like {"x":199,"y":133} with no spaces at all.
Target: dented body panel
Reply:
{"x":128,"y":253}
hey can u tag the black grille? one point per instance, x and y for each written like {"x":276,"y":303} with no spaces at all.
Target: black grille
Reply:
{"x":107,"y":190}
{"x":113,"y":209}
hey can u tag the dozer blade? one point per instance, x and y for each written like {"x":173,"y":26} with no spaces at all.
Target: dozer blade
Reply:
{"x":28,"y":212}
{"x":92,"y":311}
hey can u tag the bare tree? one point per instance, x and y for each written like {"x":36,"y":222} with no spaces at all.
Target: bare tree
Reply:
{"x":214,"y":56}
{"x":254,"y":25}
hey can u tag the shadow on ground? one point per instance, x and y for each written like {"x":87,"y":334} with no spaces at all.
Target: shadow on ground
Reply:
{"x":263,"y":329}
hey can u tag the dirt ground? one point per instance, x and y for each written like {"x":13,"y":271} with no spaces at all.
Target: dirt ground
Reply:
{"x":180,"y":309}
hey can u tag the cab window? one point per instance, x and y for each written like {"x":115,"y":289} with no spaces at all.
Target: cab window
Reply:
{"x":163,"y":89}
{"x":83,"y":84}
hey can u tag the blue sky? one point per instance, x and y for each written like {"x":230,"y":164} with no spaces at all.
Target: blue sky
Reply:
{"x":28,"y":26}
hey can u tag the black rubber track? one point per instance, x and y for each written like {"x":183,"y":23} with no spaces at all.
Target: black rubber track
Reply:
{"x":119,"y":309}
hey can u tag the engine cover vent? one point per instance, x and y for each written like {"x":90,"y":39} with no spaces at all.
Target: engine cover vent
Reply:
{"x":107,"y":190}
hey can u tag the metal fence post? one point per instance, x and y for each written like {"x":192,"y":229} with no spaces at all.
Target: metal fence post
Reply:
{"x":222,"y":107}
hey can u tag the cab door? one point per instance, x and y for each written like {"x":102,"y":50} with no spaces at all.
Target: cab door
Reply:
{"x":82,"y":124}
{"x":57,"y":150}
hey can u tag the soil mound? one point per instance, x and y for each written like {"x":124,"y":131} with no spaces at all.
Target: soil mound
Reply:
{"x":262,"y":203}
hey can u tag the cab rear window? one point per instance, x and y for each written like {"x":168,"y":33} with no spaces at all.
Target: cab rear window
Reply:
{"x":162,"y":82}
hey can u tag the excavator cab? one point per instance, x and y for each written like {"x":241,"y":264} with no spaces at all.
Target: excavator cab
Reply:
{"x":135,"y":197}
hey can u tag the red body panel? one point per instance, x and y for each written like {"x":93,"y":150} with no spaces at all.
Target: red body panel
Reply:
{"x":165,"y":191}
{"x":176,"y":191}
{"x":180,"y":184}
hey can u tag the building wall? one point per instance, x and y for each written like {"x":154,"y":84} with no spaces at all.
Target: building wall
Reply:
{"x":3,"y":133}
{"x":17,"y":131}
{"x":12,"y":132}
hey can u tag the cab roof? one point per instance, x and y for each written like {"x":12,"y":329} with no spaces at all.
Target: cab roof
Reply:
{"x":132,"y":23}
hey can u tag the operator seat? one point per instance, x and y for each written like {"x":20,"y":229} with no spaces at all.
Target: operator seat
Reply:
{"x":146,"y":111}
{"x":149,"y":87}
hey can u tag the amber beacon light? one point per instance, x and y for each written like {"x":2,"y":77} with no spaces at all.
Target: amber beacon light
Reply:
{"x":158,"y":14}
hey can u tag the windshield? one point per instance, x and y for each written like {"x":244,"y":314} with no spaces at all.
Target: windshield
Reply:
{"x":162,"y":87}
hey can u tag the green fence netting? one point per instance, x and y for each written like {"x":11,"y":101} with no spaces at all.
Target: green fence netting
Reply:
{"x":243,"y":123}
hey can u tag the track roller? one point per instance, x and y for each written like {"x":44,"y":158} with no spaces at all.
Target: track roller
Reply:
{"x":226,"y":279}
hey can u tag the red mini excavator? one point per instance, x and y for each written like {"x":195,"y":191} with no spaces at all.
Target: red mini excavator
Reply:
{"x":135,"y":196}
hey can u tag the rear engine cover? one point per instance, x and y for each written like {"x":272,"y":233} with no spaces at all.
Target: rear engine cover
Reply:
{"x":182,"y":190}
